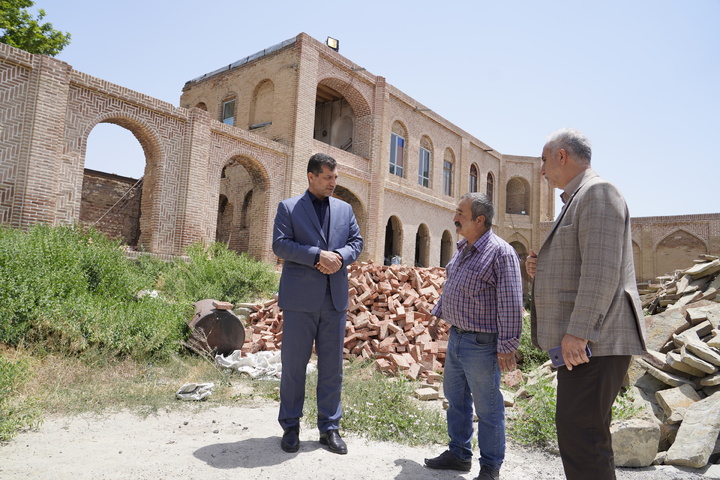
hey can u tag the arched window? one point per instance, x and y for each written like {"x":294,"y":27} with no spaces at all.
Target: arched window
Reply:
{"x":448,"y":172}
{"x":473,"y":187}
{"x":425,"y":162}
{"x":397,"y":150}
{"x":490,"y":190}
{"x":228,"y":112}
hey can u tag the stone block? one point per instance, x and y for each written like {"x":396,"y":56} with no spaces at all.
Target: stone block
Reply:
{"x":674,"y":401}
{"x":697,"y":435}
{"x":635,"y":442}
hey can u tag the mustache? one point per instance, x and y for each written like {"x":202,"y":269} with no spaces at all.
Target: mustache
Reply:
{"x":458,"y":224}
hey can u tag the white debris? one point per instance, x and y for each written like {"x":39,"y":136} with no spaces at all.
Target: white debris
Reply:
{"x":195,"y":391}
{"x":257,"y":365}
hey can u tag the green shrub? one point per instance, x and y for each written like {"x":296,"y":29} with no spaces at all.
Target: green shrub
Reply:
{"x":216,"y":272}
{"x":15,"y":415}
{"x":532,"y":357}
{"x":67,"y":289}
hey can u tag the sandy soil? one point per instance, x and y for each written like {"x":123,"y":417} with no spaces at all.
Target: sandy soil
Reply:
{"x":205,"y":441}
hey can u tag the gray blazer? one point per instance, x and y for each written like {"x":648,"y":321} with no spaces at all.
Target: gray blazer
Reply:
{"x":585,"y":279}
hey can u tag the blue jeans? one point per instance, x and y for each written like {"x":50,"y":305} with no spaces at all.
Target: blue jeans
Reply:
{"x":472,"y":376}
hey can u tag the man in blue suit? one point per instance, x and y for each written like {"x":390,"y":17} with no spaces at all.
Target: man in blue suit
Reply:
{"x":318,"y":237}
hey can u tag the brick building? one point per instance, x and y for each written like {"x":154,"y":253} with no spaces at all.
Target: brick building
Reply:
{"x":217,"y":166}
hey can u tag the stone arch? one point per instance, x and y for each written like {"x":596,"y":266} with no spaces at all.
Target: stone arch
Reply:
{"x":335,"y":99}
{"x":446,"y":248}
{"x":422,"y":246}
{"x":244,"y":183}
{"x":127,"y":210}
{"x":517,"y":199}
{"x":360,"y":213}
{"x":393,"y":240}
{"x":262,"y":105}
{"x":677,"y":251}
{"x":202,"y":106}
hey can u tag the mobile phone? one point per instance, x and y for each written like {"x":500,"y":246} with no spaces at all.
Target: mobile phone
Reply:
{"x":556,"y":355}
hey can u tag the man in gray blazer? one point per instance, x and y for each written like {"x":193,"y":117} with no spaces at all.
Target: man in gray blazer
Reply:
{"x":584,"y":294}
{"x":318,"y":237}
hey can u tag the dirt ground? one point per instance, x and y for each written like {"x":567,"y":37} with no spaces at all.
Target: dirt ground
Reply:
{"x":219,"y":442}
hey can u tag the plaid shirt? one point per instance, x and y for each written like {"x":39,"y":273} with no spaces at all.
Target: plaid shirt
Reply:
{"x":483,"y":291}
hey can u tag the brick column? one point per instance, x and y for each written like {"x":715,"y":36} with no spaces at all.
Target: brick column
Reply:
{"x":375,"y":237}
{"x":304,"y":117}
{"x":39,"y":159}
{"x":197,"y":198}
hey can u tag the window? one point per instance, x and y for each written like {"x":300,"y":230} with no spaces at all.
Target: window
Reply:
{"x":228,"y":113}
{"x":397,"y":155}
{"x":424,"y":168}
{"x":473,"y":178}
{"x":490,"y":186}
{"x":447,"y":178}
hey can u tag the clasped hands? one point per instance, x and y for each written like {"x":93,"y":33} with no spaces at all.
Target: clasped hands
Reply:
{"x":329,"y":263}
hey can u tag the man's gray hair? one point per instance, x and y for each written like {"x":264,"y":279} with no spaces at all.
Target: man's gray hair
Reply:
{"x":480,"y":204}
{"x":573,"y":141}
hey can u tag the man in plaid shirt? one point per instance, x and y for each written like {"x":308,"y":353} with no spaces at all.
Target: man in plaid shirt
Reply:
{"x":482,"y":300}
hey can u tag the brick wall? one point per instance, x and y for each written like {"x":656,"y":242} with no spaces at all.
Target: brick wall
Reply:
{"x":111,"y":204}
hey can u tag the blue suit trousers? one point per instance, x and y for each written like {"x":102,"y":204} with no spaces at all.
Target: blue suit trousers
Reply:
{"x":326,"y":328}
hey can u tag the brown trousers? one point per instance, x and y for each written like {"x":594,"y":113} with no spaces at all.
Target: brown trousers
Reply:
{"x":583,"y":413}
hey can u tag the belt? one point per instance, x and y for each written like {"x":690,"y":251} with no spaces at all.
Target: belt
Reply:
{"x":460,"y":330}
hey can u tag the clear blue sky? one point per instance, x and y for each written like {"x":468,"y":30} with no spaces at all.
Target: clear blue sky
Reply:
{"x":641,"y":78}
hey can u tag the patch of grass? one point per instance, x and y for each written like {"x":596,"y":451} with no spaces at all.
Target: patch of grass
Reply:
{"x":16,"y":413}
{"x":381,"y":408}
{"x":534,"y":423}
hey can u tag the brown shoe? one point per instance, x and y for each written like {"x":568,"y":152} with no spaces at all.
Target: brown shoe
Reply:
{"x":448,"y":461}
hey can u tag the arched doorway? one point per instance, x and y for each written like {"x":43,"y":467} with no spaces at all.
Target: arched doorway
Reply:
{"x":114,"y":178}
{"x":526,"y":280}
{"x":422,"y":246}
{"x":446,"y":248}
{"x":393,"y":241}
{"x":242,"y":201}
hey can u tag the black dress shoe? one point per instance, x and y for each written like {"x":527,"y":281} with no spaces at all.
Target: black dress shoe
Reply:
{"x":291,"y":439}
{"x":448,"y":461}
{"x":332,"y":439}
{"x":488,"y":473}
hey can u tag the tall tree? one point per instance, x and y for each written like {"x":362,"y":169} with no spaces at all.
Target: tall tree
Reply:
{"x":21,"y":30}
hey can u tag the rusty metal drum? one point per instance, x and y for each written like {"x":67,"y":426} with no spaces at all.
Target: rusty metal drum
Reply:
{"x":215,"y":330}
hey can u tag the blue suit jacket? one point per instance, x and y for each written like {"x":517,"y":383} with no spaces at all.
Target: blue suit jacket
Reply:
{"x":298,"y":238}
